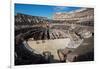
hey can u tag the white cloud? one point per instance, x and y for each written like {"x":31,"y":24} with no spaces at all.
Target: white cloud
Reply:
{"x":59,"y":8}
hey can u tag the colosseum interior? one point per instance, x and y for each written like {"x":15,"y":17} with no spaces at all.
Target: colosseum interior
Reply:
{"x":68,"y":37}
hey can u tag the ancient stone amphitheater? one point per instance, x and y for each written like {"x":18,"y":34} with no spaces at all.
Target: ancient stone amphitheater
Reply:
{"x":41,"y":37}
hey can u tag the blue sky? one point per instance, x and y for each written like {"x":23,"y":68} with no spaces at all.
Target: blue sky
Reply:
{"x":42,"y":10}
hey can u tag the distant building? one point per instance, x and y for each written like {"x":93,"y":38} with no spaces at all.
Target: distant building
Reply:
{"x":82,"y":15}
